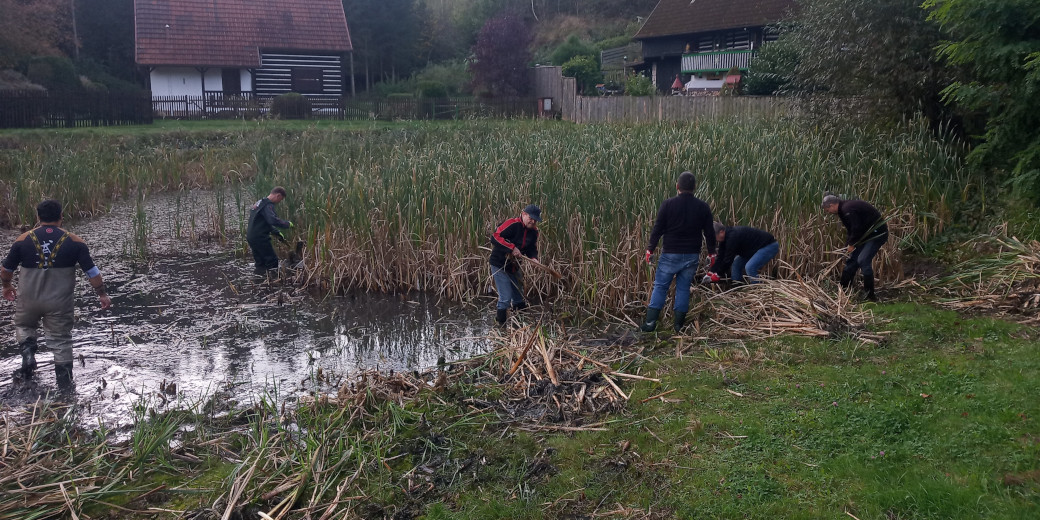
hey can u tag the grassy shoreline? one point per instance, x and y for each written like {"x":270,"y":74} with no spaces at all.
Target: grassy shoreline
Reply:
{"x":939,"y":421}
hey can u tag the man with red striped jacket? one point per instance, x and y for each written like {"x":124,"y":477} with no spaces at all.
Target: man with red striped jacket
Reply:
{"x":512,"y":238}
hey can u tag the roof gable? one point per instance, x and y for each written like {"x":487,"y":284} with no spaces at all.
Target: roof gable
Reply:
{"x":675,"y":17}
{"x":230,"y":33}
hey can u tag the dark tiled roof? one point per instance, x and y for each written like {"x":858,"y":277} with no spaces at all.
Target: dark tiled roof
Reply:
{"x":231,"y":33}
{"x":674,"y":17}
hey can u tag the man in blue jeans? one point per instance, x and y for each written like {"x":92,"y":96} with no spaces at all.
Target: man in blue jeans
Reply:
{"x":743,"y":251}
{"x":681,"y":221}
{"x":866,"y":233}
{"x":513,"y":237}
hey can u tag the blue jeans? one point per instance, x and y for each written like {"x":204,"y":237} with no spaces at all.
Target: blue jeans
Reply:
{"x":510,"y":287}
{"x":681,"y":267}
{"x":862,"y":257}
{"x":742,"y":266}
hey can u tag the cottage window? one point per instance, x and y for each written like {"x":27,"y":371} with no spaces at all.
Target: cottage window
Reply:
{"x":307,"y":81}
{"x":231,"y":80}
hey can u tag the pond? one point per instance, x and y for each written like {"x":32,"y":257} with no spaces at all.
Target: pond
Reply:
{"x":192,"y":314}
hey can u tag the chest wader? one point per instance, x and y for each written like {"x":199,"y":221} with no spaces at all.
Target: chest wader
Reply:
{"x":46,"y":293}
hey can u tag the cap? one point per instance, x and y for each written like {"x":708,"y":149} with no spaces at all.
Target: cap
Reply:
{"x":830,"y":199}
{"x":534,"y":212}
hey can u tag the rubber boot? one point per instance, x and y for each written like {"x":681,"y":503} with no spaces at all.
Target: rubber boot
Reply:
{"x":28,"y":358}
{"x":500,"y":317}
{"x":63,"y":375}
{"x":846,"y":278}
{"x":651,"y":319}
{"x":680,"y":320}
{"x":868,"y":287}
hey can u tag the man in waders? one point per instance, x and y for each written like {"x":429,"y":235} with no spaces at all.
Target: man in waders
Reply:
{"x":513,"y":237}
{"x":743,"y":250}
{"x":46,"y":289}
{"x":866,"y":233}
{"x":264,"y":222}
{"x":681,"y":221}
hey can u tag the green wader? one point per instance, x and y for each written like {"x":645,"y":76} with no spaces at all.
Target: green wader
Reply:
{"x":47,"y":294}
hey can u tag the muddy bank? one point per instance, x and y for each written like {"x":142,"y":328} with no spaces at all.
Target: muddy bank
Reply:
{"x":188,"y":311}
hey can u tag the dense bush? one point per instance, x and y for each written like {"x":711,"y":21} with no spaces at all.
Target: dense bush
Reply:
{"x":291,"y":106}
{"x":639,"y":85}
{"x":56,"y":74}
{"x":586,"y":71}
{"x":432,"y":89}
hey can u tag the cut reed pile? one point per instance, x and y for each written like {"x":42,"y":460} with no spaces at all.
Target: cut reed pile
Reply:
{"x":1004,"y":277}
{"x":785,"y":307}
{"x":412,"y":208}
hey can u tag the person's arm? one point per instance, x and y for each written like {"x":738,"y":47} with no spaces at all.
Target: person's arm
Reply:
{"x":727,"y":252}
{"x":504,"y":233}
{"x":6,"y":277}
{"x":93,"y":274}
{"x":658,"y":229}
{"x":7,"y":269}
{"x":854,"y":225}
{"x":272,"y":218}
{"x":708,"y":229}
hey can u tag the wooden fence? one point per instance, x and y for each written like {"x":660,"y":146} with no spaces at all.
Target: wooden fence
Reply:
{"x":215,"y":106}
{"x":40,"y":109}
{"x":549,"y":82}
{"x":630,"y":109}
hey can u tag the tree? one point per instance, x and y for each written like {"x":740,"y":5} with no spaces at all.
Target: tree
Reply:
{"x":998,"y":42}
{"x":878,"y":53}
{"x":572,"y":48}
{"x":772,"y":70}
{"x":34,"y":28}
{"x":501,"y":56}
{"x":386,"y":35}
{"x":586,"y":71}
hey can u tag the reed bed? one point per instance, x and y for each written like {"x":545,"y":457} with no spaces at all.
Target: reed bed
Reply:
{"x":1004,"y":277}
{"x":411,"y":208}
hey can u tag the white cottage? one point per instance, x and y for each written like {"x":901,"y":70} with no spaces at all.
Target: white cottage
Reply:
{"x":242,"y":47}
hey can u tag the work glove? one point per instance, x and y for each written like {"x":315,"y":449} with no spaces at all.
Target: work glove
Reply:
{"x":710,"y":278}
{"x":711,"y":260}
{"x":280,"y":237}
{"x":291,"y":225}
{"x":647,"y":257}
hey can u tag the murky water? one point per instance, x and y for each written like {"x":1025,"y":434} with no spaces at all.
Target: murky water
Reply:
{"x":194,"y":314}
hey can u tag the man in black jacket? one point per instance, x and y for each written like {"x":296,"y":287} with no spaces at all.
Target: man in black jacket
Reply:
{"x":513,"y":237}
{"x":744,"y":248}
{"x":264,"y":222}
{"x":681,"y":221}
{"x":866,"y":233}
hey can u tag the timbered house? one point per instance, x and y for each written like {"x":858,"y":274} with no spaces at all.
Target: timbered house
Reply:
{"x":248,"y":48}
{"x":701,"y":40}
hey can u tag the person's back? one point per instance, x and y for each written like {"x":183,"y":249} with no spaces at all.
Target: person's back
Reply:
{"x":681,"y":222}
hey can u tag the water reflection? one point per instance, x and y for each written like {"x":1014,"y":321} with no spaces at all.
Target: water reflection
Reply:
{"x":195,"y":314}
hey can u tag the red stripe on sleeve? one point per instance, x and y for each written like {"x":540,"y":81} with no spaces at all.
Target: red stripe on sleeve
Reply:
{"x":503,"y":227}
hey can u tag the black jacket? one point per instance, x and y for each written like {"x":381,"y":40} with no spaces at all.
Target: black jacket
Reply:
{"x":49,"y":246}
{"x":681,"y":221}
{"x":742,"y":241}
{"x":263,"y":221}
{"x":511,"y":234}
{"x":862,"y":221}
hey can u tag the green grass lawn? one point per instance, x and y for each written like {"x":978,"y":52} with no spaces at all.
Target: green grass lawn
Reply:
{"x":940,"y":422}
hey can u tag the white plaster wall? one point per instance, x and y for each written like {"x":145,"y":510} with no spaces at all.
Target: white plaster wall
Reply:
{"x":246,"y":80}
{"x":177,"y":81}
{"x":701,"y":83}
